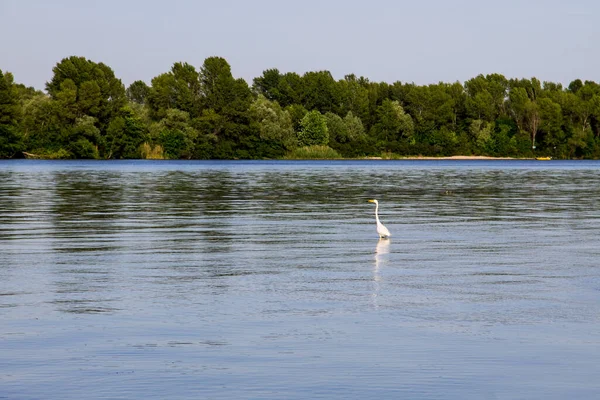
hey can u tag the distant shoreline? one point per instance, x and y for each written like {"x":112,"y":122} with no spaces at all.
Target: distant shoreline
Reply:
{"x":449,"y":158}
{"x":39,"y":157}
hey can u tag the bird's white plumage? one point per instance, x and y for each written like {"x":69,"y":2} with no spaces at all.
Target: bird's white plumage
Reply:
{"x":381,"y":229}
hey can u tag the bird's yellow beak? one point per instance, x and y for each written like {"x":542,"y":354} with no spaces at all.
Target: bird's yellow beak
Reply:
{"x":371,"y":201}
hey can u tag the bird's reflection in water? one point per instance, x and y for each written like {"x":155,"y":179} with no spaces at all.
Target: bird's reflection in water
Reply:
{"x":381,"y":251}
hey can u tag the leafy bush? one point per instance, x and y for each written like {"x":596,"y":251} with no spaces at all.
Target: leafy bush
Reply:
{"x":313,"y":153}
{"x":149,"y":152}
{"x":313,"y":130}
{"x":83,"y":148}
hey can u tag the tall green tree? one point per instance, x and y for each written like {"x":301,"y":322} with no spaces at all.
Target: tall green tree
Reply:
{"x":354,"y":96}
{"x":290,"y":89}
{"x":486,"y":96}
{"x":125,"y":135}
{"x":226,"y":99}
{"x":313,"y":130}
{"x":518,"y":106}
{"x":320,"y":92}
{"x":81,"y":140}
{"x":550,"y":128}
{"x":355,"y":129}
{"x":10,"y":139}
{"x":297,"y":112}
{"x":344,"y":130}
{"x":480,"y":133}
{"x":274,"y":123}
{"x":175,"y":134}
{"x":268,"y":84}
{"x":176,"y":89}
{"x":336,"y":128}
{"x":346,"y":135}
{"x":221,"y":91}
{"x":41,"y":125}
{"x":137,"y":92}
{"x":98,"y":93}
{"x":393,"y":124}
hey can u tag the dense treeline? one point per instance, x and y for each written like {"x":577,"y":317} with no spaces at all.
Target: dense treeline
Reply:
{"x":188,"y":113}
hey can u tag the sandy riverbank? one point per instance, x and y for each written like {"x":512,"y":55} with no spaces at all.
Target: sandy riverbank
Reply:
{"x":464,"y":158}
{"x":449,"y":158}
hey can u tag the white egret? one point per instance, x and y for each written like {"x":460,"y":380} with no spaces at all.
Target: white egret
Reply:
{"x":381,"y":230}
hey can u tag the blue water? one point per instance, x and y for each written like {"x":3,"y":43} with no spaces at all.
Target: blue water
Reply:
{"x":266,"y":280}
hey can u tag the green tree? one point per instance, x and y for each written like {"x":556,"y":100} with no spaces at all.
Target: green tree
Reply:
{"x":503,"y":142}
{"x":268,"y":84}
{"x":66,"y":103}
{"x":584,"y":106}
{"x":524,"y":107}
{"x":393,"y":124}
{"x":290,"y":89}
{"x":313,"y":130}
{"x":578,"y":142}
{"x":481,"y":135}
{"x":89,"y":98}
{"x":354,"y":128}
{"x":346,"y":135}
{"x":297,"y":112}
{"x":98,"y":93}
{"x":486,"y":97}
{"x":40,"y":125}
{"x":532,"y":87}
{"x":210,"y":126}
{"x":457,"y":96}
{"x":228,"y":99}
{"x":176,"y":89}
{"x":275,"y":124}
{"x":23,"y":93}
{"x":125,"y":135}
{"x":163,"y":95}
{"x":354,"y":96}
{"x":221,"y":91}
{"x":336,"y":128}
{"x":481,"y":106}
{"x":432,"y":108}
{"x":377,"y":94}
{"x":320,"y":92}
{"x":137,"y":92}
{"x":81,"y":140}
{"x":551,"y":121}
{"x":443,"y":141}
{"x":518,"y":106}
{"x":575,"y":85}
{"x":10,"y":139}
{"x":175,"y":134}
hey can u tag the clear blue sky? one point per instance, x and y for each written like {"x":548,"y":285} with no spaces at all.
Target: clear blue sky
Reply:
{"x":423,"y":41}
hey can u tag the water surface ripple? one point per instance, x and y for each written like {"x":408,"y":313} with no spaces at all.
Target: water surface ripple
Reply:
{"x":266,"y":280}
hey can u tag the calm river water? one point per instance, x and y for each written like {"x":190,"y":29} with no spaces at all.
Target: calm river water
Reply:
{"x":266,"y":280}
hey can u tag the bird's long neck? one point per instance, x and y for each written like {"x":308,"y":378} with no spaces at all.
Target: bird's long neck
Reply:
{"x":376,"y":212}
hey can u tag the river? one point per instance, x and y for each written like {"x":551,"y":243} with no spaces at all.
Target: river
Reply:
{"x":267,"y":279}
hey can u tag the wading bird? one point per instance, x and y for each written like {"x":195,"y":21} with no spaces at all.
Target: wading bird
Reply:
{"x":382,"y":230}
